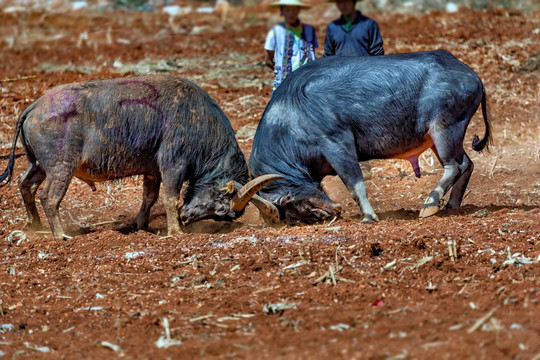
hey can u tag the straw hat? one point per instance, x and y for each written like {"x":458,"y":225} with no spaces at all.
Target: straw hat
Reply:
{"x":289,"y":3}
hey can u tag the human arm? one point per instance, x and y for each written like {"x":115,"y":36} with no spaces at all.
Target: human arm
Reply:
{"x":269,"y":59}
{"x":270,"y":48}
{"x":375,"y":41}
{"x":309,"y":35}
{"x":329,"y":46}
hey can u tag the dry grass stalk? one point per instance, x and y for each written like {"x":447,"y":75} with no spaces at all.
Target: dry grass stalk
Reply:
{"x":331,"y":275}
{"x":18,"y":78}
{"x":463,"y":288}
{"x":262,"y":290}
{"x":165,"y":324}
{"x":105,"y":222}
{"x":111,"y":346}
{"x":301,"y":253}
{"x":493,"y":168}
{"x":452,"y":249}
{"x":431,"y":287}
{"x":331,"y":222}
{"x":199,"y":318}
{"x":213,"y":272}
{"x":482,"y":320}
{"x":267,"y":251}
{"x":310,"y":254}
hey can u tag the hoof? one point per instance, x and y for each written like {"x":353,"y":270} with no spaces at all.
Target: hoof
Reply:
{"x":336,"y":208}
{"x":270,"y":220}
{"x":62,"y":237}
{"x":369,"y":219}
{"x":139,"y":226}
{"x":33,"y":226}
{"x":428,"y":211}
{"x":174,"y":231}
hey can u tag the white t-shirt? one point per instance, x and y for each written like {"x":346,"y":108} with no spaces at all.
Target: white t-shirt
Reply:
{"x":302,"y":50}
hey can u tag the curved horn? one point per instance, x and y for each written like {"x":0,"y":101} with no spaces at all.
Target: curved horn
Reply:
{"x":266,"y":207}
{"x":245,"y":194}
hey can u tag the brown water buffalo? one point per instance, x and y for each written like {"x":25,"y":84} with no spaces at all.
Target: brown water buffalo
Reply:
{"x":162,"y":127}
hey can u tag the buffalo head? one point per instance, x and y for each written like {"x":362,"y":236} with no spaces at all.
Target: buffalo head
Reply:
{"x":225,"y":201}
{"x":303,"y":207}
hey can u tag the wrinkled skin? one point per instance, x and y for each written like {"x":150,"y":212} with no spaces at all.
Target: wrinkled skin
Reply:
{"x":305,"y":207}
{"x":308,"y":211}
{"x":207,"y":203}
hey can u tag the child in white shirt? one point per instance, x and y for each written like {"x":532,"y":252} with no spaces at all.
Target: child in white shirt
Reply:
{"x":291,"y":43}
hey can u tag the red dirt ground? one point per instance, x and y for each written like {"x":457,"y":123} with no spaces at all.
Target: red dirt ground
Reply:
{"x":244,"y":290}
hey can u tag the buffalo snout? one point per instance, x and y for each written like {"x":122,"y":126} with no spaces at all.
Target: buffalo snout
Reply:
{"x":215,"y":210}
{"x":308,"y":211}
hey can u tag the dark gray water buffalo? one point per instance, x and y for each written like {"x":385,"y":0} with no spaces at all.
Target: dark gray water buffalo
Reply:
{"x":334,"y":112}
{"x":164,"y":128}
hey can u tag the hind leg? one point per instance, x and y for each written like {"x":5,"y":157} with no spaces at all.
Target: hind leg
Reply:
{"x":433,"y":203}
{"x":150,"y":195}
{"x":53,"y":192}
{"x":28,"y":185}
{"x":448,"y":147}
{"x":458,"y":190}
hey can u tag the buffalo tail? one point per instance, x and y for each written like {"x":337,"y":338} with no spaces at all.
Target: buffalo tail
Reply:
{"x":479,"y":144}
{"x":5,"y":177}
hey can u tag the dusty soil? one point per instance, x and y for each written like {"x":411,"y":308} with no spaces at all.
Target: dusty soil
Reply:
{"x":245,"y":290}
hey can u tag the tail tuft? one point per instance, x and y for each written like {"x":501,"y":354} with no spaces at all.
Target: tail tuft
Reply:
{"x":477,"y":143}
{"x":5,"y":177}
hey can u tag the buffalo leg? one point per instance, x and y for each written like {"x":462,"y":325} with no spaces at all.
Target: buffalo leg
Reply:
{"x":172,"y":183}
{"x":458,"y":190}
{"x":448,"y":146}
{"x":53,"y":192}
{"x":433,"y":203}
{"x":28,"y":185}
{"x":348,"y":169}
{"x":150,"y":195}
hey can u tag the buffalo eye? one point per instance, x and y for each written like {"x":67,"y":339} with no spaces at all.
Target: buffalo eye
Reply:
{"x":221,"y":210}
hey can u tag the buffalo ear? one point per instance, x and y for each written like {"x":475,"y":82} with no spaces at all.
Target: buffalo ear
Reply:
{"x":229,"y":188}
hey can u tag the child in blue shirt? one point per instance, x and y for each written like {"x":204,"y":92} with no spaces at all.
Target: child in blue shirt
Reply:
{"x":353,"y":34}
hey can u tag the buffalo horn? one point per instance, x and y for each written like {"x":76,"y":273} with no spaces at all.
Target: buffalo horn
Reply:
{"x":247,"y":191}
{"x":266,"y":207}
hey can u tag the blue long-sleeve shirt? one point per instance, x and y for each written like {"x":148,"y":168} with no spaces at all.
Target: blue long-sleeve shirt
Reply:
{"x":364,"y":39}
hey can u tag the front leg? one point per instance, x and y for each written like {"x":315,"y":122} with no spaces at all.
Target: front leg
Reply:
{"x":172,"y":179}
{"x":343,"y":160}
{"x":171,"y":208}
{"x":359,"y":194}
